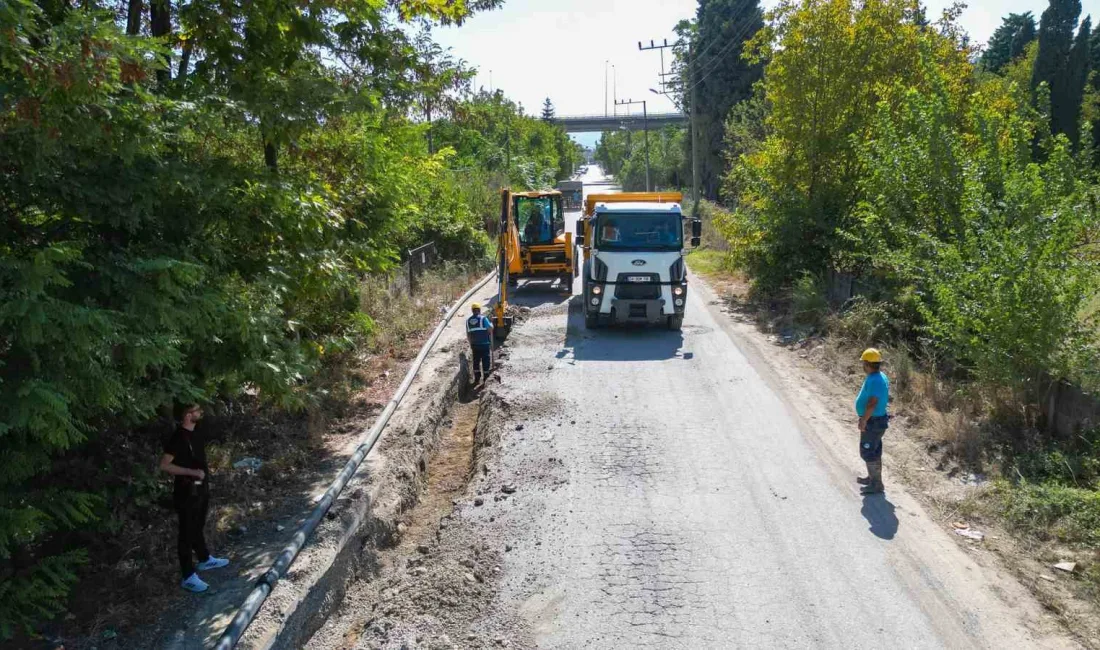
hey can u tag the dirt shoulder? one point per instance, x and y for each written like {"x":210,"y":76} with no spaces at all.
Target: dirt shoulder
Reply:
{"x":256,"y":511}
{"x":820,"y":379}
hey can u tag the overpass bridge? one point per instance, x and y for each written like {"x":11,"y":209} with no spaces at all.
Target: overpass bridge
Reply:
{"x":598,"y":123}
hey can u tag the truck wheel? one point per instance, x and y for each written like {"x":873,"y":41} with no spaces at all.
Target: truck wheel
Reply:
{"x":676,"y":322}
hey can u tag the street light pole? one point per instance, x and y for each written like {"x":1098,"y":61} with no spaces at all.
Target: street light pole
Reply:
{"x":605,"y":62}
{"x":615,"y":86}
{"x":645,"y":127}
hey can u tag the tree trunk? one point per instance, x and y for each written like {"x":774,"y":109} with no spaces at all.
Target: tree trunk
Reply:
{"x":271,"y":156}
{"x":431,"y":147}
{"x":133,"y":17}
{"x":185,"y":59}
{"x":160,"y":25}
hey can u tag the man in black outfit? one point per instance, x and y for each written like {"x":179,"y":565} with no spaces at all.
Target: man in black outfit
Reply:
{"x":185,"y":459}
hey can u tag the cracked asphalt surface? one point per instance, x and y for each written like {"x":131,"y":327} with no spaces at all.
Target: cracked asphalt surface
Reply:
{"x":687,"y":508}
{"x":663,"y":489}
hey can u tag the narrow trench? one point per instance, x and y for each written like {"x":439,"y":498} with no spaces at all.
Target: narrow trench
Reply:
{"x":449,"y":470}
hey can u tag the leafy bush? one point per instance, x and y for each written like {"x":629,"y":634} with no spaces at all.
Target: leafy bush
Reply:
{"x":808,"y":302}
{"x":863,"y":322}
{"x":177,"y":233}
{"x":1051,"y":511}
{"x":920,"y":177}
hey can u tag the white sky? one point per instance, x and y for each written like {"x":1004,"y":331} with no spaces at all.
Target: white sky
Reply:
{"x":532,"y":49}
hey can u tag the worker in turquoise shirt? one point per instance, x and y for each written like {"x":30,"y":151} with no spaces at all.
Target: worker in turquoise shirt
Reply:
{"x":873,"y":420}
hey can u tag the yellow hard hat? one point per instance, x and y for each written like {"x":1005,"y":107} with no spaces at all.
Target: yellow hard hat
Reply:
{"x":476,"y":305}
{"x":871,"y":355}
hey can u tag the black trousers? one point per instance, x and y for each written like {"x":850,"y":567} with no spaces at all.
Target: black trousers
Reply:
{"x":483,"y":359}
{"x":192,"y":509}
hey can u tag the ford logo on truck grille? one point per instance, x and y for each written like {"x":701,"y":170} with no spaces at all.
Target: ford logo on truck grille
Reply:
{"x":638,"y":262}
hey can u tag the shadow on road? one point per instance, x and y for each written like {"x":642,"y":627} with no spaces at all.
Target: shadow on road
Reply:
{"x":879,"y":512}
{"x":537,"y":293}
{"x":619,"y":343}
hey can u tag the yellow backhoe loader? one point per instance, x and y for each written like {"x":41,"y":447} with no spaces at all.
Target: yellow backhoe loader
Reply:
{"x":532,"y":243}
{"x":538,"y":245}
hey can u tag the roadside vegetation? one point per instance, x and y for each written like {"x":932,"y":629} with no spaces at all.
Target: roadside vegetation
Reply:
{"x":887,"y":182}
{"x":197,"y":197}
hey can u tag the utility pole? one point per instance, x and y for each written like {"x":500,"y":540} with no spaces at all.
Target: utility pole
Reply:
{"x":694,"y":137}
{"x":605,"y":62}
{"x":692,"y":118}
{"x":660,"y":48}
{"x":645,"y":126}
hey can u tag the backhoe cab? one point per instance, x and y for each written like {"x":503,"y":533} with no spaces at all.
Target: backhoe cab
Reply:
{"x":538,"y":245}
{"x":532,"y":243}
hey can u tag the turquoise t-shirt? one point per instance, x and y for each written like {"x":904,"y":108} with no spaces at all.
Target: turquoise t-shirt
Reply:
{"x":875,"y":385}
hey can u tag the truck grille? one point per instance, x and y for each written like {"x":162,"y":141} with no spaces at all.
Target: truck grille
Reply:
{"x":649,"y":290}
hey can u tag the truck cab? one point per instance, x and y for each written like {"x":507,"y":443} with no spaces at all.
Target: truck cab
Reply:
{"x":634,"y":268}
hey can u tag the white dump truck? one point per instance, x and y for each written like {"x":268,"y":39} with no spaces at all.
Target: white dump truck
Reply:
{"x":633,"y":268}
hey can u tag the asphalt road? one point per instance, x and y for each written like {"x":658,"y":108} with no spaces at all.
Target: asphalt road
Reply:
{"x":646,"y":488}
{"x":669,"y":498}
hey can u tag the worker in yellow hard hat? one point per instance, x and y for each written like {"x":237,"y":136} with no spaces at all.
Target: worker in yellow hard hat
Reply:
{"x":479,"y":332}
{"x":873,"y":420}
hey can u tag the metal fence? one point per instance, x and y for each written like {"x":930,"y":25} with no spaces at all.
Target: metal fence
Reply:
{"x":420,"y":258}
{"x":408,"y":279}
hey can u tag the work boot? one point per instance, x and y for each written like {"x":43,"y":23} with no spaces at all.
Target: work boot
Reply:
{"x":874,"y":471}
{"x":865,"y":480}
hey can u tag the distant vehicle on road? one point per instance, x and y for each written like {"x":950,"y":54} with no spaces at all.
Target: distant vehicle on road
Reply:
{"x":633,"y":258}
{"x":573,"y":193}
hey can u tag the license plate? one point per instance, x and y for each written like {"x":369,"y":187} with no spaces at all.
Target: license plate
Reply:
{"x":637,"y":278}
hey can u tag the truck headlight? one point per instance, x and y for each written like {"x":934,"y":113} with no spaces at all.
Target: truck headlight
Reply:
{"x":595,"y":301}
{"x":597,"y":290}
{"x":677,"y":291}
{"x":679,"y":302}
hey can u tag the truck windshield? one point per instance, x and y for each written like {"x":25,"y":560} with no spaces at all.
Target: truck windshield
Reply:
{"x":631,"y":231}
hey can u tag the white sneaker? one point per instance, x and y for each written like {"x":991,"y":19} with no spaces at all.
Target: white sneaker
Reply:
{"x":194,"y":584}
{"x":212,"y":563}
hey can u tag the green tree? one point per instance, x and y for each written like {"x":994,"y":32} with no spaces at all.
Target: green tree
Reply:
{"x":718,"y":74}
{"x":1008,"y":41}
{"x":830,"y":63}
{"x":547,"y":110}
{"x":1062,"y":64}
{"x":151,"y":255}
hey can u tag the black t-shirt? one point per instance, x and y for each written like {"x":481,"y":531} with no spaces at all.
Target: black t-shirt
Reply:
{"x":188,"y":449}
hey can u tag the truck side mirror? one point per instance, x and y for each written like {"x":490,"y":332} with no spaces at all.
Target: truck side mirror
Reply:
{"x":696,"y":229}
{"x":695,"y":242}
{"x":579,"y":237}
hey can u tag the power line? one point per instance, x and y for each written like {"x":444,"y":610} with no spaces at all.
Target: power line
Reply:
{"x":714,"y":63}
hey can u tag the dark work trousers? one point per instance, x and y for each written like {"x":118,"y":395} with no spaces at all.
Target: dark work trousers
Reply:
{"x":870,"y":440}
{"x":191,"y":509}
{"x":483,"y":359}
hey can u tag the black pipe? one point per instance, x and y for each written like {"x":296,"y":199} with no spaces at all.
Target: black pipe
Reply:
{"x":251,"y":605}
